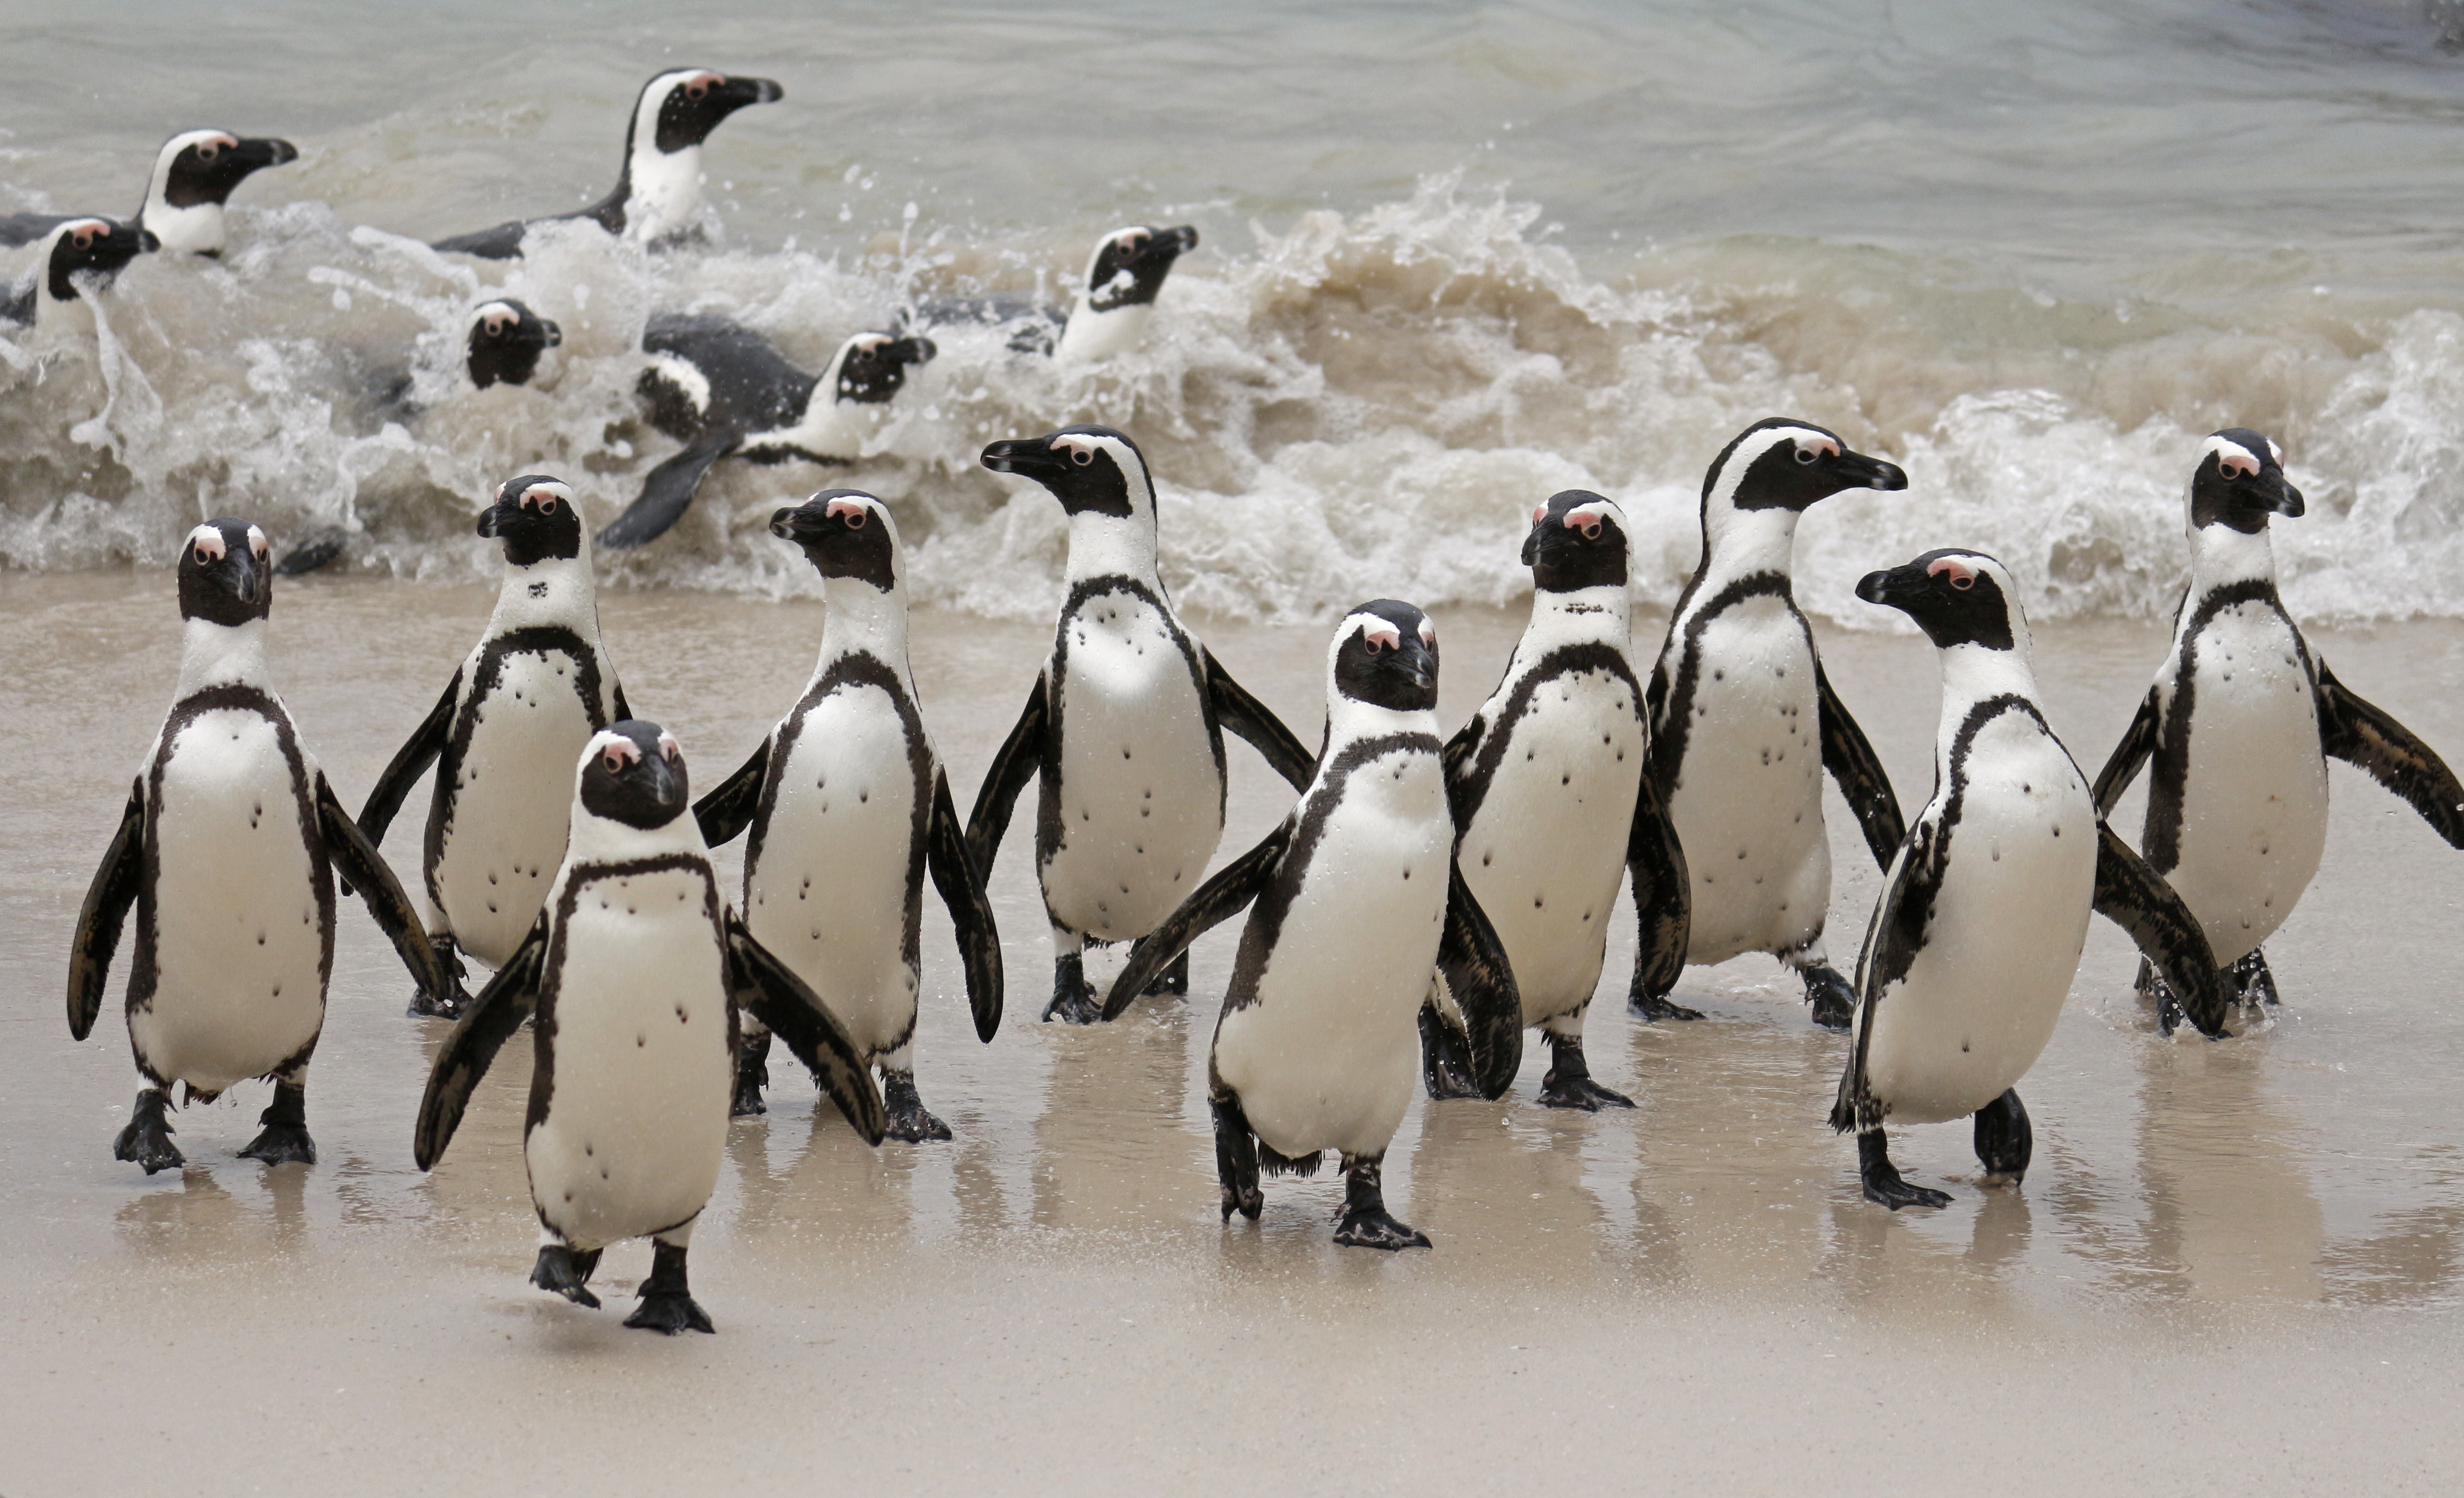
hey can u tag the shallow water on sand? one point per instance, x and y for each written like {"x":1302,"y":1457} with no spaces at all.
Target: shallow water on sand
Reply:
{"x":2235,"y":1265}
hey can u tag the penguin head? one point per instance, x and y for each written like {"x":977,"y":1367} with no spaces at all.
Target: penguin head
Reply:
{"x":1780,"y":463}
{"x":1577,"y":541}
{"x":96,"y":248}
{"x":683,"y":106}
{"x":204,"y":166}
{"x":1090,"y":470}
{"x":1386,"y":655}
{"x":536,"y":519}
{"x":634,"y":773}
{"x":1956,"y":597}
{"x":2239,"y":482}
{"x":1129,"y":265}
{"x":226,"y":573}
{"x":871,"y":367}
{"x":506,"y":340}
{"x":844,"y":533}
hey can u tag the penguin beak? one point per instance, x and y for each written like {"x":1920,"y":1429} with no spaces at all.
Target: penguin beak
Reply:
{"x":1869,"y":473}
{"x":256,"y":155}
{"x":2276,"y":496}
{"x":247,"y":578}
{"x":549,"y":334}
{"x":915,"y":351}
{"x":736,"y":93}
{"x":492,"y":519}
{"x":1029,"y":458}
{"x":1170,"y":244}
{"x":802,"y":524}
{"x":1414,"y":662}
{"x":1891,"y":588}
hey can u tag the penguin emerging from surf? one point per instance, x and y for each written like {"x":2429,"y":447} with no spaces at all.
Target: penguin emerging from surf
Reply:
{"x":1553,"y":808}
{"x":194,"y":177}
{"x":849,"y":809}
{"x":724,"y":390}
{"x":1124,"y":726}
{"x":1353,"y":901}
{"x":637,"y":970}
{"x":1744,"y":723}
{"x":2240,"y":724}
{"x":1115,"y":299}
{"x":227,"y":848}
{"x":657,"y":199}
{"x":503,"y":738}
{"x":78,"y":255}
{"x":1986,"y":904}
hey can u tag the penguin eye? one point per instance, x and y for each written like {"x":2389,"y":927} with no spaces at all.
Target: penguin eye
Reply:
{"x":1539,"y":514}
{"x":208,"y":152}
{"x":83,"y":238}
{"x":1962,"y":581}
{"x":855,"y":519}
{"x":696,"y":89}
{"x":495,"y":327}
{"x":612,"y":763}
{"x":256,"y":541}
{"x":1080,"y":456}
{"x":547,"y":504}
{"x":1592,"y":531}
{"x":1806,"y":455}
{"x":1369,"y":643}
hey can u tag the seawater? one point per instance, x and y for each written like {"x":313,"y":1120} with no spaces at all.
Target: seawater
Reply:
{"x":1455,"y":258}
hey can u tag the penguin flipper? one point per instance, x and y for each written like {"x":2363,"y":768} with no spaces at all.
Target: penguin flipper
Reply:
{"x":2364,"y":736}
{"x":1253,"y":720}
{"x":482,"y":1031}
{"x":409,"y":763}
{"x":727,"y":811}
{"x":1474,"y":965}
{"x":104,"y":912}
{"x":1232,"y":890}
{"x":359,"y":863}
{"x":1020,"y":757}
{"x":504,"y":242}
{"x":1663,"y":897}
{"x":2135,"y":898}
{"x":623,"y":709}
{"x":970,"y":913}
{"x":2130,"y":755}
{"x":1863,"y":780}
{"x":668,"y":492}
{"x":1890,"y":949}
{"x":782,"y":1001}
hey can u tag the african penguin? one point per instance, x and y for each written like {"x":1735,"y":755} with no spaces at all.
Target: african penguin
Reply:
{"x":504,"y":734}
{"x":230,"y":831}
{"x":1551,"y":807}
{"x":1115,"y":299}
{"x":849,"y":806}
{"x":78,"y":257}
{"x":724,"y":390}
{"x":1353,"y":901}
{"x":1124,"y":726}
{"x":2240,"y":723}
{"x":1985,"y":907}
{"x":637,"y":970}
{"x":657,"y":199}
{"x":1744,"y":722}
{"x":193,"y":176}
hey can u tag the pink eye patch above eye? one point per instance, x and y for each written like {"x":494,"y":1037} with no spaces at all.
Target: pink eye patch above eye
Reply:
{"x":1961,"y":575}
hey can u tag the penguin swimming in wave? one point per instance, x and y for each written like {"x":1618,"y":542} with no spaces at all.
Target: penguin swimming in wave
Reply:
{"x":194,"y":177}
{"x":1115,"y":299}
{"x":78,"y":257}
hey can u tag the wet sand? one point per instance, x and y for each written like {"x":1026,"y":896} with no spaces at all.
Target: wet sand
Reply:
{"x":2234,"y":1268}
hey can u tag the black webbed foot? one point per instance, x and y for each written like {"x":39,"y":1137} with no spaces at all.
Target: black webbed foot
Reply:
{"x":1834,"y":1001}
{"x":2249,"y":977}
{"x":1881,"y":1178}
{"x":1446,"y":1058}
{"x":751,"y":1075}
{"x":1366,"y":1222}
{"x":1073,"y":998}
{"x":1652,"y":1009}
{"x":1568,"y":1083}
{"x":450,"y":1005}
{"x":1236,"y":1156}
{"x":2170,"y":1015}
{"x":2005,"y":1143}
{"x":285,"y":1139}
{"x":908,"y":1118}
{"x":1173,"y":980}
{"x":566,"y":1270}
{"x":147,"y":1142}
{"x":666,"y":1305}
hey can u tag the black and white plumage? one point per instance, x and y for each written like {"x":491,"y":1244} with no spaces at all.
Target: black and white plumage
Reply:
{"x":1114,"y":304}
{"x":1986,"y":904}
{"x":504,"y":734}
{"x":636,"y":970}
{"x":1553,"y":808}
{"x":2240,"y":724}
{"x":227,"y":848}
{"x":194,"y":174}
{"x":1744,"y":723}
{"x":657,"y":199}
{"x":849,"y":809}
{"x":1124,"y":726}
{"x":724,"y":390}
{"x":1353,"y":901}
{"x":76,"y":257}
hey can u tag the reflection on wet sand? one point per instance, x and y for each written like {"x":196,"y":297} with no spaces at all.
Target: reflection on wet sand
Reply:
{"x":1114,"y":1149}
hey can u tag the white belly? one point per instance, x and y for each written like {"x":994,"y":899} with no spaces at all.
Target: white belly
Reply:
{"x":1546,"y":851}
{"x":1141,"y":804}
{"x":835,"y":891}
{"x":1747,"y":806}
{"x":2254,"y":799}
{"x":1327,"y":1056}
{"x":1981,"y":1000}
{"x":512,"y":791}
{"x":641,"y":1063}
{"x":239,"y":950}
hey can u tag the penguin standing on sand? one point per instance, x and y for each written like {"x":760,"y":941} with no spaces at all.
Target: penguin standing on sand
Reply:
{"x":80,"y":254}
{"x":194,"y":177}
{"x":504,"y":736}
{"x":1124,"y":726}
{"x":2240,"y":723}
{"x":1356,"y":898}
{"x":636,"y":969}
{"x":849,"y":809}
{"x":657,"y":199}
{"x":1115,"y":299}
{"x":1744,"y":722}
{"x":227,"y":848}
{"x":1551,"y":807}
{"x":1984,"y":909}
